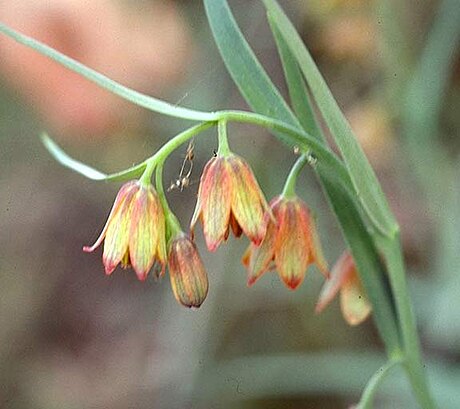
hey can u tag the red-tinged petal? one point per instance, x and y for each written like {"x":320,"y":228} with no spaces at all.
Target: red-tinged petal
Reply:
{"x":257,"y":259}
{"x":216,"y":188}
{"x":353,"y":301}
{"x":189,"y":280}
{"x":248,"y":203}
{"x":121,"y":196}
{"x":341,"y":272}
{"x":117,"y":233}
{"x":198,"y":210}
{"x":146,"y":216}
{"x":292,"y":243}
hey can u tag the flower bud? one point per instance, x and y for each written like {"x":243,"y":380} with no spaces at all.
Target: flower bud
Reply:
{"x":189,"y":280}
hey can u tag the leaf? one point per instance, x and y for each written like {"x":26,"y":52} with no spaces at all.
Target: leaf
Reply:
{"x":243,"y":66}
{"x":86,"y":170}
{"x":298,"y":92}
{"x":364,"y":180}
{"x":135,"y":97}
{"x":367,"y":261}
{"x":264,"y":98}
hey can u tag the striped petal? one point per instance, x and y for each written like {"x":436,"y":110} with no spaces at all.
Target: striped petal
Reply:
{"x":248,"y":202}
{"x":216,"y":190}
{"x":292,"y":254}
{"x":117,"y":233}
{"x":257,"y":259}
{"x":119,"y":200}
{"x":189,"y":280}
{"x":146,"y":216}
{"x":340,"y":273}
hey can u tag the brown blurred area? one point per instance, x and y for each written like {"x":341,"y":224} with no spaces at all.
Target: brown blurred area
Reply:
{"x":71,"y":337}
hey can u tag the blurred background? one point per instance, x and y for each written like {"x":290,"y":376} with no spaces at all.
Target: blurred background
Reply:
{"x":70,"y":337}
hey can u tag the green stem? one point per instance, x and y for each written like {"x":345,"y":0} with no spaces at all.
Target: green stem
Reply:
{"x":146,"y":178}
{"x":295,"y":137}
{"x":174,"y":143}
{"x":291,"y":181}
{"x":413,"y":361}
{"x":224,"y":149}
{"x":172,"y":224}
{"x":374,"y":382}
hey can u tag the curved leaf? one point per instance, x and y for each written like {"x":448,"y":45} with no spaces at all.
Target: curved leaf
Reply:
{"x":135,"y":97}
{"x":364,"y":180}
{"x":85,"y":170}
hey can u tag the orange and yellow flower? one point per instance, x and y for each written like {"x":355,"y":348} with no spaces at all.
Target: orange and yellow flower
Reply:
{"x":229,"y":196}
{"x":189,"y":280}
{"x":134,"y":232}
{"x":354,"y":303}
{"x":290,"y":244}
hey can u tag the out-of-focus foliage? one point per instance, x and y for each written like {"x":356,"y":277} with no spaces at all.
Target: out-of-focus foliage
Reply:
{"x":71,"y":337}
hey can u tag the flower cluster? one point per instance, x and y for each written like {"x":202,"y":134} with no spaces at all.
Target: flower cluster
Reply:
{"x":141,"y":232}
{"x":135,"y":236}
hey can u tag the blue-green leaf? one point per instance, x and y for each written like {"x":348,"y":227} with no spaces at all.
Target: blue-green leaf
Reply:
{"x":264,"y":98}
{"x":364,"y":180}
{"x":85,"y":170}
{"x":135,"y":97}
{"x":298,"y":93}
{"x":243,"y":66}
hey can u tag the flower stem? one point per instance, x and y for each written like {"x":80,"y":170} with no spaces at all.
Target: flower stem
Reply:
{"x":224,"y":149}
{"x":146,"y":178}
{"x":170,"y":146}
{"x":291,"y":181}
{"x":374,"y":382}
{"x":172,"y":224}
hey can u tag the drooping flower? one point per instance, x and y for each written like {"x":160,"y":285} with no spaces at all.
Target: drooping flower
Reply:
{"x":290,"y":244}
{"x":189,"y":280}
{"x":354,"y":303}
{"x":229,"y":196}
{"x":134,"y":232}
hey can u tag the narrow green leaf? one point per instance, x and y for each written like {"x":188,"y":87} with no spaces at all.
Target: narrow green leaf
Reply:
{"x":264,"y":98}
{"x":243,"y":66}
{"x":371,"y":271}
{"x":135,"y":97}
{"x":364,"y":180}
{"x":298,"y":93}
{"x":85,"y":170}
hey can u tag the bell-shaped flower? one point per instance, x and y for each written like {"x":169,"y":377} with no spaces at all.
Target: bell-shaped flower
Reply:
{"x":229,"y":196}
{"x":290,"y":244}
{"x":134,"y":232}
{"x":354,"y":303}
{"x":189,"y":280}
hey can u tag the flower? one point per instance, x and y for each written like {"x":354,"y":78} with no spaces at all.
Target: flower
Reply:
{"x":229,"y":195}
{"x":290,"y":244}
{"x":134,"y":232}
{"x":189,"y":280}
{"x":354,"y":303}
